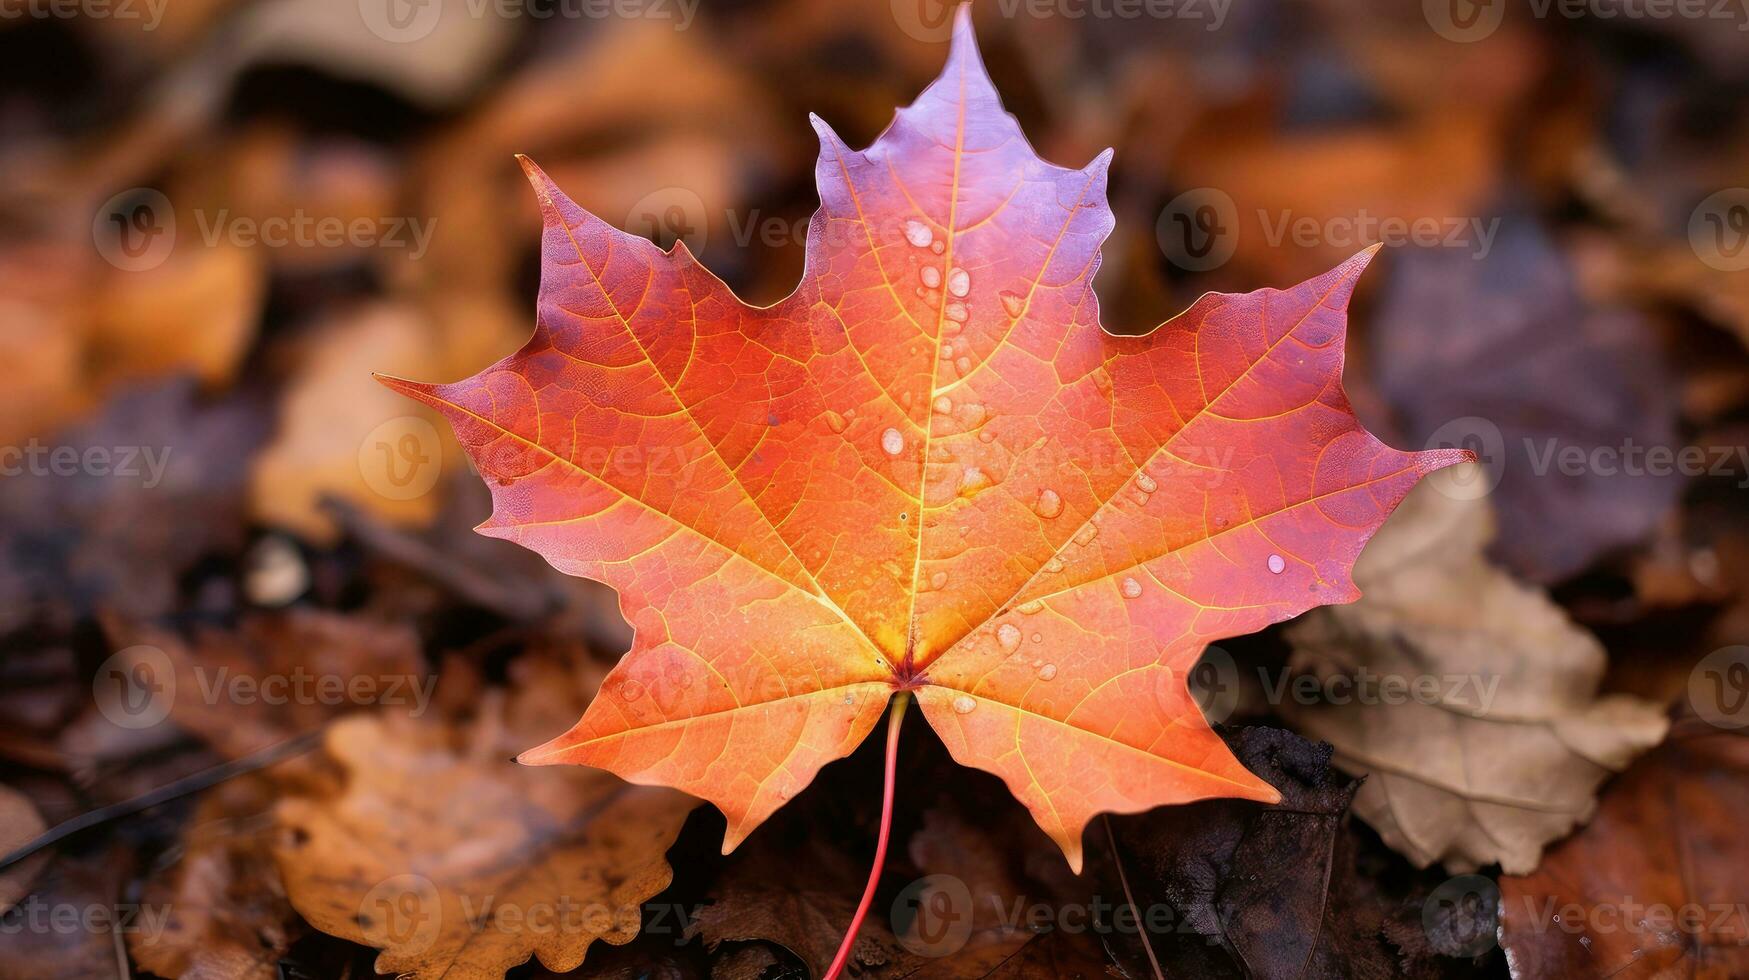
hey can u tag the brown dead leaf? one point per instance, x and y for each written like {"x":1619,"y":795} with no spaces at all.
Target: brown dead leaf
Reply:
{"x":1653,"y":887}
{"x":1501,"y":352}
{"x":68,"y":925}
{"x":113,"y":512}
{"x":342,"y":433}
{"x":195,"y":314}
{"x":228,"y":917}
{"x":1495,"y":741}
{"x":457,"y":863}
{"x":19,"y":825}
{"x":281,"y":675}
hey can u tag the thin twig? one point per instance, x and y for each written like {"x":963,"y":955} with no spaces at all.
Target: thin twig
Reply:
{"x":1124,"y":880}
{"x":192,"y":783}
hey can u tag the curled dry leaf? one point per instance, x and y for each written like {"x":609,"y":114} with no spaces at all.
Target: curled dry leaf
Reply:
{"x":1653,"y":887}
{"x":457,"y":863}
{"x":20,"y":823}
{"x":1494,"y":740}
{"x":927,"y":470}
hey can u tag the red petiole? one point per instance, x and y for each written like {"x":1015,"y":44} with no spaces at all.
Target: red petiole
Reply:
{"x":894,"y":718}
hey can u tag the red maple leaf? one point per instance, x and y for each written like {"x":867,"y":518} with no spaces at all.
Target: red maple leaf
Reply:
{"x":927,"y":472}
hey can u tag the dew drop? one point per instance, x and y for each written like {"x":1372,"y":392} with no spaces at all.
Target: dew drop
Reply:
{"x":931,"y":276}
{"x":1047,"y":671}
{"x":1030,"y":606}
{"x":918,"y":234}
{"x":947,"y":352}
{"x":1086,"y":535}
{"x":986,"y":435}
{"x":892,"y":442}
{"x":944,"y":404}
{"x":937,"y":248}
{"x":973,"y":413}
{"x":964,"y":704}
{"x":1132,"y":589}
{"x":1276,"y":564}
{"x":972,"y":481}
{"x":1054,"y":565}
{"x":1048,"y":504}
{"x":834,"y":421}
{"x":956,"y":312}
{"x":1220,"y":522}
{"x":1008,"y":635}
{"x":1145,"y":483}
{"x":958,"y":282}
{"x":1038,"y":638}
{"x":1013,"y":303}
{"x":938,"y":580}
{"x":963,"y":365}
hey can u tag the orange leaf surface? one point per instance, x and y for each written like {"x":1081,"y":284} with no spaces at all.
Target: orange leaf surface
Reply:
{"x":928,"y":469}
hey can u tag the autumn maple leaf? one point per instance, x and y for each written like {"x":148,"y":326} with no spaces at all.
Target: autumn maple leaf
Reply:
{"x":927,"y":472}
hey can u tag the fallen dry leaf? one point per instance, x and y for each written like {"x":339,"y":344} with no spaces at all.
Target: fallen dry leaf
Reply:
{"x":1652,"y":888}
{"x":68,"y":925}
{"x":1225,"y":891}
{"x":281,"y":675}
{"x":115,"y":510}
{"x":457,"y":863}
{"x":19,"y":825}
{"x":340,"y":434}
{"x":928,"y":470}
{"x":227,"y":914}
{"x":1502,"y":354}
{"x":1495,"y":740}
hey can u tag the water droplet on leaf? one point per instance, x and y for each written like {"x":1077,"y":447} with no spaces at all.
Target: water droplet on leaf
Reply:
{"x":1048,"y":505}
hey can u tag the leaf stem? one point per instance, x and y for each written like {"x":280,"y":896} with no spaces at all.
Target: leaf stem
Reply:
{"x":894,"y":718}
